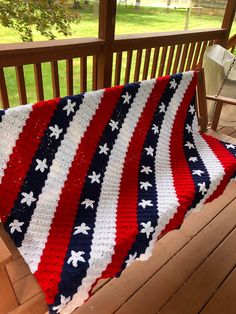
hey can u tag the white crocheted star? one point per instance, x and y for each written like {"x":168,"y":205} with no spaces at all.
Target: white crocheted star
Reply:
{"x":41,"y":165}
{"x":202,"y":188}
{"x":230,"y":146}
{"x":193,"y":159}
{"x":95,"y":177}
{"x":114,"y":125}
{"x":75,"y":258}
{"x":147,"y":228}
{"x":192,"y":109}
{"x":15,"y":226}
{"x":188,"y":128}
{"x":131,"y":259}
{"x":145,"y":185}
{"x":155,"y":129}
{"x":127,"y":98}
{"x":104,"y":149}
{"x":55,"y":131}
{"x":69,"y":107}
{"x":81,"y":229}
{"x":198,"y":172}
{"x":149,"y":150}
{"x":88,"y":203}
{"x":173,"y":84}
{"x":189,"y":145}
{"x":146,"y":169}
{"x":162,"y":107}
{"x":145,"y":203}
{"x":62,"y":305}
{"x":28,"y":198}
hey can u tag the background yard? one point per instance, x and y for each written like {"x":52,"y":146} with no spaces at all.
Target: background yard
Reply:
{"x":129,"y":20}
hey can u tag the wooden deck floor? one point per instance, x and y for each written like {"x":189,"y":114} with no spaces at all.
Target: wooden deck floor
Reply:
{"x":192,"y":270}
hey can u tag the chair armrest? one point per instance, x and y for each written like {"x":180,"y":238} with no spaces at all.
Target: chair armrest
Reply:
{"x":5,"y":254}
{"x":226,"y":100}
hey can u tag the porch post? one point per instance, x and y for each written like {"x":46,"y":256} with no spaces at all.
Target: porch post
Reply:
{"x":107,"y":17}
{"x":228,"y":20}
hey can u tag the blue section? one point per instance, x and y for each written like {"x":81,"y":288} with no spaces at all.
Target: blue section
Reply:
{"x":197,"y":165}
{"x":35,"y":180}
{"x":232,"y":149}
{"x":71,"y":276}
{"x":150,"y":213}
{"x":2,"y":113}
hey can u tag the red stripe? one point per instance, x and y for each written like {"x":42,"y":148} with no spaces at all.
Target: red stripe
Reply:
{"x":55,"y":251}
{"x":23,"y":153}
{"x":183,"y":182}
{"x":227,"y":160}
{"x":126,"y":225}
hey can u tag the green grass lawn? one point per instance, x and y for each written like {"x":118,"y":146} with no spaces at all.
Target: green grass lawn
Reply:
{"x":129,"y":20}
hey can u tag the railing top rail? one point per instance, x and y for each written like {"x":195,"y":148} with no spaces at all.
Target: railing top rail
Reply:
{"x":149,"y":40}
{"x":44,"y":51}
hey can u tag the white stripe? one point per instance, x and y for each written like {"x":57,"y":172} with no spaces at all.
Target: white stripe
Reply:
{"x":11,"y":126}
{"x":104,"y":236}
{"x":167,"y":200}
{"x":213,"y":165}
{"x":36,"y":237}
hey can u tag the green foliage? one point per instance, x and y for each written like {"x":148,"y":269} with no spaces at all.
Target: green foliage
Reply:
{"x":46,"y":16}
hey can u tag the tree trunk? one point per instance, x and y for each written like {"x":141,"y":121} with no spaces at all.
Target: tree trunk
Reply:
{"x":76,"y":5}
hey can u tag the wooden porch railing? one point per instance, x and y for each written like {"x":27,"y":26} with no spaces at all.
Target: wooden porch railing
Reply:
{"x":232,"y":43}
{"x":107,"y":60}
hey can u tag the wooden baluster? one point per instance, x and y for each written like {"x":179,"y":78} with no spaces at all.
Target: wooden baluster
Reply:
{"x":38,"y":81}
{"x":137,"y":65}
{"x":69,"y":76}
{"x":154,"y":62}
{"x":183,"y":57}
{"x":211,"y":42}
{"x":118,"y":68}
{"x":55,"y":79}
{"x":3,"y":90}
{"x":202,"y":53}
{"x":177,"y":59}
{"x":170,"y":60}
{"x":83,"y":74}
{"x":128,"y":66}
{"x":95,"y":71}
{"x":196,"y":55}
{"x":20,"y":78}
{"x":190,"y":57}
{"x":163,"y":60}
{"x":146,"y":63}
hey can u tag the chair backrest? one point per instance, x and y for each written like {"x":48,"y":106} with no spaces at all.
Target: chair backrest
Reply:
{"x":201,"y":102}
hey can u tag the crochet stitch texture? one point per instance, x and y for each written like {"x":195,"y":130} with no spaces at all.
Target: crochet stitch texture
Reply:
{"x":88,"y":183}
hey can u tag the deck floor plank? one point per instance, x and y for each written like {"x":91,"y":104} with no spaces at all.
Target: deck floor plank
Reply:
{"x":17,"y":269}
{"x":223,"y":301}
{"x":205,"y":280}
{"x":228,"y":130}
{"x":26,"y":288}
{"x":181,"y":266}
{"x":35,"y":305}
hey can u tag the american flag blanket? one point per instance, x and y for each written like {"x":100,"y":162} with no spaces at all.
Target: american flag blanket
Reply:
{"x":89,"y":182}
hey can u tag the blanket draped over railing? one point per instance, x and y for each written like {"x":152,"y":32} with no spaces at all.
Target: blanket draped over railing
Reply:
{"x":88,"y":183}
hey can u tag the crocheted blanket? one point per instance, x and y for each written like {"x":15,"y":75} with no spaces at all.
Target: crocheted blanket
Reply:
{"x":89,"y":182}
